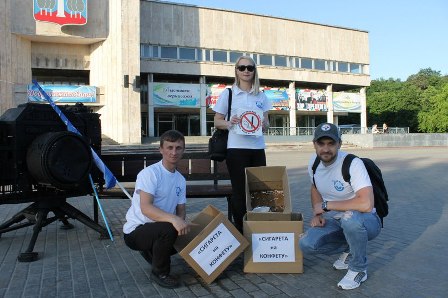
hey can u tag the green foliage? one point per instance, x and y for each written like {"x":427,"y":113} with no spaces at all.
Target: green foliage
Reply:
{"x":420,"y":103}
{"x":434,"y":116}
{"x":425,"y":78}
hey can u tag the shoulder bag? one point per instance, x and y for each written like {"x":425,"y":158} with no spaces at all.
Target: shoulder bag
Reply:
{"x":217,"y":144}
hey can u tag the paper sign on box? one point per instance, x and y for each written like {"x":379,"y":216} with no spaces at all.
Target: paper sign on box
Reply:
{"x":273,"y":247}
{"x":214,"y":249}
{"x":211,"y":245}
{"x":274,"y":244}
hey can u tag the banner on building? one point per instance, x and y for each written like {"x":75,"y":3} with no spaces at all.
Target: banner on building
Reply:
{"x":311,"y":100}
{"x":63,"y":93}
{"x":213,"y":93}
{"x":176,"y":95}
{"x":62,"y":12}
{"x":347,"y":102}
{"x":279,"y":98}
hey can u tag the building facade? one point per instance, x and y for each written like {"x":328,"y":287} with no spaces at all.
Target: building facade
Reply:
{"x":159,"y":65}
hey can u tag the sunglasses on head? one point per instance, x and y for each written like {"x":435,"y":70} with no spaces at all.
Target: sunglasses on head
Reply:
{"x":250,"y":68}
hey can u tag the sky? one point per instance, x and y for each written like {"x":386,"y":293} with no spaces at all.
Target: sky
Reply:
{"x":404,"y":36}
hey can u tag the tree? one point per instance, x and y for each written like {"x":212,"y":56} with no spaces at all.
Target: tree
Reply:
{"x":425,"y":77}
{"x":434,"y":116}
{"x":394,"y":103}
{"x":419,"y":103}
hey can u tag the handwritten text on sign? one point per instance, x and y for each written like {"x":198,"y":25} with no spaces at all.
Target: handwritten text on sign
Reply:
{"x":215,"y":249}
{"x":273,"y":247}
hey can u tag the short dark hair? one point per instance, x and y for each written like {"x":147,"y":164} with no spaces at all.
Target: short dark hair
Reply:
{"x":171,"y":136}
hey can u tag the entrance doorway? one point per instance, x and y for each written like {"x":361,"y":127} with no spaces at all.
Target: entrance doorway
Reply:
{"x":188,"y":124}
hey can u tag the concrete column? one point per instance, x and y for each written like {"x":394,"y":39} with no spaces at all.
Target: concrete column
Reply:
{"x":292,"y":108}
{"x":330,"y":112}
{"x":110,"y":61}
{"x":203,"y":109}
{"x":363,"y":110}
{"x":151,"y":118}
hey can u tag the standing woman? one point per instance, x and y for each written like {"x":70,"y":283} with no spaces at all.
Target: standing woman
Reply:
{"x":243,"y":150}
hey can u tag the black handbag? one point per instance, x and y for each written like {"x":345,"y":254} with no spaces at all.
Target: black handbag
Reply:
{"x":217,"y":144}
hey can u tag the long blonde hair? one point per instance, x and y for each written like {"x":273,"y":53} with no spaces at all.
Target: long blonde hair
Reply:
{"x":255,"y":81}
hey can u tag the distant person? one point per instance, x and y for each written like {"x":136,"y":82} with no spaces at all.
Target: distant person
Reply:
{"x":385,"y":128}
{"x":344,"y":217}
{"x":157,"y":213}
{"x":375,"y":128}
{"x":243,"y":150}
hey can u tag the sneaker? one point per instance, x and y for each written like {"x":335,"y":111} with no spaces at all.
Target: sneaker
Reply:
{"x":342,"y":262}
{"x":165,"y":280}
{"x":352,"y":280}
{"x":147,"y":256}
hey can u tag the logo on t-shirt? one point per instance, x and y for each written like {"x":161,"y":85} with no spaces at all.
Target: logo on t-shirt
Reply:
{"x":259,"y":104}
{"x":338,"y":185}
{"x":178,"y":191}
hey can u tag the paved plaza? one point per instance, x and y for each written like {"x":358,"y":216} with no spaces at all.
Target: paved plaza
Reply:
{"x":408,"y":258}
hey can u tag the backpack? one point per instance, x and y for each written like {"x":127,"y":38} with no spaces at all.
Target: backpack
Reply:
{"x":376,"y":178}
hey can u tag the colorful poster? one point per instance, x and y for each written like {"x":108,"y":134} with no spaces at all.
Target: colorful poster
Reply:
{"x":347,"y":102}
{"x":63,"y":93}
{"x":213,"y":93}
{"x":62,"y":12}
{"x":279,"y":98}
{"x":176,"y":95}
{"x":311,"y":100}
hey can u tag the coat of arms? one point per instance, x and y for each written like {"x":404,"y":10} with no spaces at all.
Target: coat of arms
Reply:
{"x":62,"y":12}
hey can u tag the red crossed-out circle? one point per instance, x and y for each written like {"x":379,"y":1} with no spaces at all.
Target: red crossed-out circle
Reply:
{"x":250,"y":122}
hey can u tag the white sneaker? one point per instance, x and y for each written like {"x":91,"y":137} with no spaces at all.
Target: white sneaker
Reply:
{"x":352,"y":280}
{"x":342,"y":262}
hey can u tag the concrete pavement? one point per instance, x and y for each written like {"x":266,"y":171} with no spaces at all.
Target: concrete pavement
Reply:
{"x":408,"y":258}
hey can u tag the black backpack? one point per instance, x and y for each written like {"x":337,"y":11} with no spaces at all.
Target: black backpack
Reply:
{"x":376,"y":178}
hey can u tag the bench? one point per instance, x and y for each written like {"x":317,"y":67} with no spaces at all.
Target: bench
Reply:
{"x":205,"y":178}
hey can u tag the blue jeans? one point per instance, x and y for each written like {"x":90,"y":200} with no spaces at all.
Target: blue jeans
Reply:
{"x":351,"y":231}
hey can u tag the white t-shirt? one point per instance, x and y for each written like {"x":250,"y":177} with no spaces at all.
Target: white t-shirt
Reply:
{"x":331,"y":184}
{"x":167,"y":188}
{"x":250,"y":102}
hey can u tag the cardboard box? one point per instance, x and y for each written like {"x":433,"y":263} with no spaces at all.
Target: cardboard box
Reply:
{"x":211,"y":245}
{"x":268,"y":186}
{"x":274,"y":243}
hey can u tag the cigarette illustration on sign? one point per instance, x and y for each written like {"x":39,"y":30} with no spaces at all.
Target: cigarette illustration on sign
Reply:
{"x":250,"y":123}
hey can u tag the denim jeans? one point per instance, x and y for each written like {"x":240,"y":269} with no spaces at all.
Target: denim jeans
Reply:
{"x":351,"y":231}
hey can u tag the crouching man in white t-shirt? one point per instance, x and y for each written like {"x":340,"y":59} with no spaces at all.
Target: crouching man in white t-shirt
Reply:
{"x":344,"y":218}
{"x":157,"y":214}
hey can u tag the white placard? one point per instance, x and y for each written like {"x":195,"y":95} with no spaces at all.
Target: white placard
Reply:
{"x":273,"y":247}
{"x":215,"y":249}
{"x":251,"y":123}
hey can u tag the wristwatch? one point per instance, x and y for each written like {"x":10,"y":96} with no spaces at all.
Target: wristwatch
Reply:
{"x":324,"y":206}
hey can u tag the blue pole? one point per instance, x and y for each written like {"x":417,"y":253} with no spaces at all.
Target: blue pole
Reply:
{"x":101,"y":208}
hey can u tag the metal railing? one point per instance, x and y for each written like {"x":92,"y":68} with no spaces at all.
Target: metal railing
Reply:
{"x":303,"y":131}
{"x":309,"y":131}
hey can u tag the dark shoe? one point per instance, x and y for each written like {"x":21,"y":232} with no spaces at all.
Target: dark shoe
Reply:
{"x":147,"y":256}
{"x":166,"y":281}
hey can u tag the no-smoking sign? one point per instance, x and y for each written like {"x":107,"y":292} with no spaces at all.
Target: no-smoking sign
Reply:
{"x":250,"y":123}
